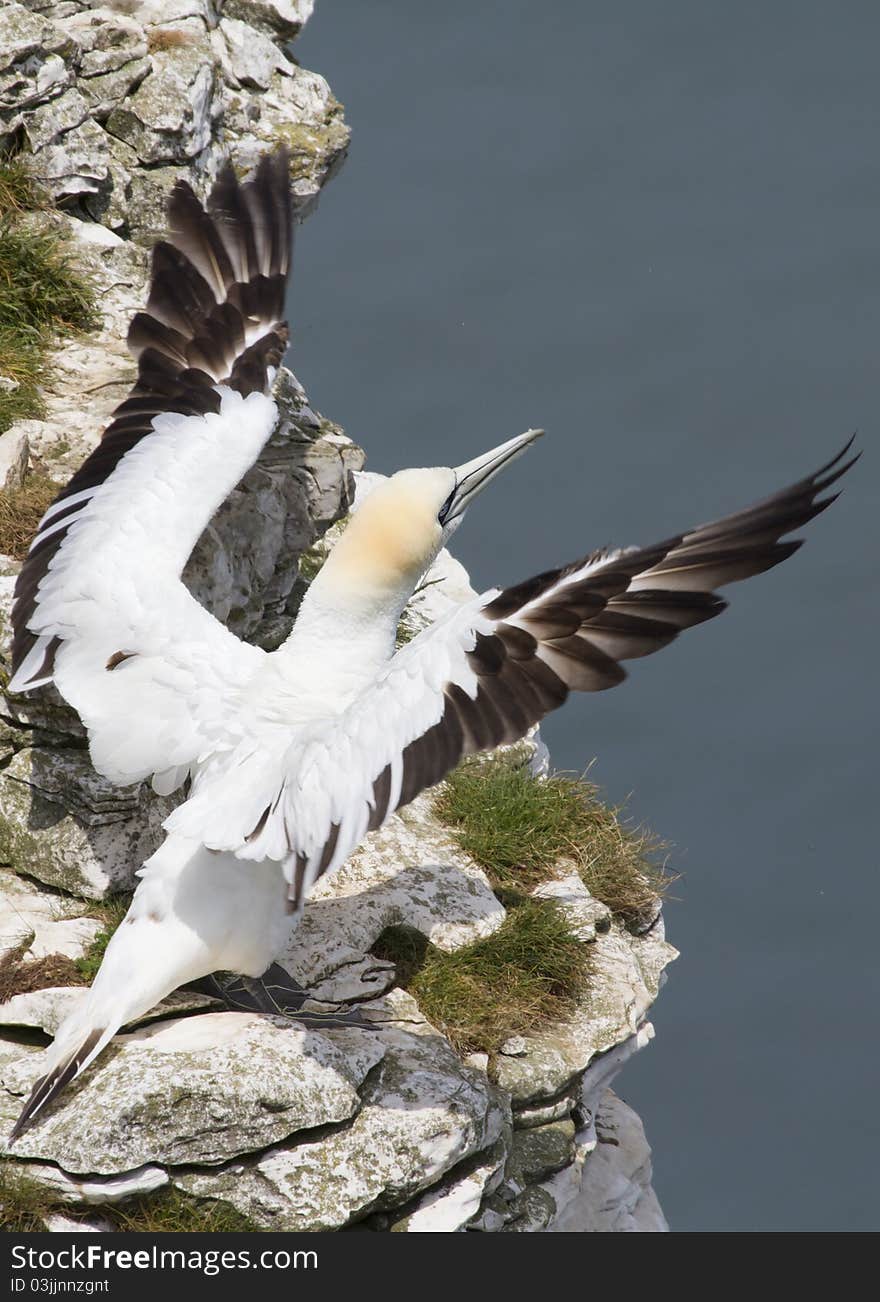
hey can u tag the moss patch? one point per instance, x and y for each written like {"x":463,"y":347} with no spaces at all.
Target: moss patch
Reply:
{"x":520,"y":828}
{"x":21,"y":510}
{"x":24,"y":1204}
{"x":40,"y":294}
{"x":530,"y":971}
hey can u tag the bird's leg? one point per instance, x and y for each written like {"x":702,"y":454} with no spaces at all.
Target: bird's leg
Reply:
{"x":274,"y":992}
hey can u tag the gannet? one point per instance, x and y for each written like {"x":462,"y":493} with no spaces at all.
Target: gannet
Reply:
{"x":293,"y":756}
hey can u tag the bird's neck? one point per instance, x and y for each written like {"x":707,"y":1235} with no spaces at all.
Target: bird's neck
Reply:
{"x":347,"y":623}
{"x":349,"y":627}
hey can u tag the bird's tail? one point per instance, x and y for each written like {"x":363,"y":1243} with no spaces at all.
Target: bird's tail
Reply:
{"x":143,"y":962}
{"x":194,"y":912}
{"x":73,"y":1053}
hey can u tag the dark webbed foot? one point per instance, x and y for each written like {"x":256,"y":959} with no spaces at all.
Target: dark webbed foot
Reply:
{"x":277,"y":993}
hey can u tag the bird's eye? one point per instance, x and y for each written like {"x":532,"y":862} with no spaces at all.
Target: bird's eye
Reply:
{"x":446,"y":507}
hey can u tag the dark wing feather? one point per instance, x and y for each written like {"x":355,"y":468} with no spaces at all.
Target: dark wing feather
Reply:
{"x":213,"y":317}
{"x":569,"y":629}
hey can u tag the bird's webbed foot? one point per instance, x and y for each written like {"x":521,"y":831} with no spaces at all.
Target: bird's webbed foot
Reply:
{"x":277,"y":993}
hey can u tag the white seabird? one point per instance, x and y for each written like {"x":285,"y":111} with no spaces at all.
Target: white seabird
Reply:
{"x":296,"y":754}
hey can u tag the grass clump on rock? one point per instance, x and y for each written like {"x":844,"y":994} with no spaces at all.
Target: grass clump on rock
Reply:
{"x":160,"y":39}
{"x":530,"y":971}
{"x":533,"y":970}
{"x":521,"y":829}
{"x":25,"y":1205}
{"x":41,"y":294}
{"x":171,"y":1212}
{"x":18,"y":190}
{"x":21,"y":510}
{"x":22,"y":1202}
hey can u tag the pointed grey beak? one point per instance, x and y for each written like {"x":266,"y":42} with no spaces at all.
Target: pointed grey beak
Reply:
{"x":473,"y":476}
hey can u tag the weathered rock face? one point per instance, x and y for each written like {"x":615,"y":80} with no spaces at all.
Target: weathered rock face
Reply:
{"x":386,"y":1126}
{"x":41,"y":923}
{"x":110,"y":104}
{"x":421,"y":1114}
{"x":198,"y":1090}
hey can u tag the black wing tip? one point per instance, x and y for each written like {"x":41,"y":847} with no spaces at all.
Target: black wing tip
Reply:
{"x":48,"y":1087}
{"x":42,"y":1093}
{"x":822,"y":479}
{"x":838,"y":456}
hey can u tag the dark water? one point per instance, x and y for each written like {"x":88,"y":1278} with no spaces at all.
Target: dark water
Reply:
{"x":655,"y":230}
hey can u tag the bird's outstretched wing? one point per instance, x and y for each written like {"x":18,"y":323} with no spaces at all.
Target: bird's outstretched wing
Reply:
{"x":99,"y":607}
{"x":483,"y":676}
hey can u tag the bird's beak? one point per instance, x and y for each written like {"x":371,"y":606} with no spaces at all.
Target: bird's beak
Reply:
{"x":473,"y":476}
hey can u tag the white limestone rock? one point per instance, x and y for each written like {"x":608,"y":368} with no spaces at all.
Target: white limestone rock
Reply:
{"x":71,"y":829}
{"x":614,"y":1194}
{"x":247,"y":57}
{"x":46,"y":1009}
{"x":450,"y":1205}
{"x":46,"y":122}
{"x":37,"y":59}
{"x":585,"y":915}
{"x":45,"y":923}
{"x":283,"y":19}
{"x":161,"y":13}
{"x":75,"y":164}
{"x":58,"y":1223}
{"x":107,"y":39}
{"x":104,"y":93}
{"x":168,"y":118}
{"x":13,"y":458}
{"x":95,"y":1191}
{"x":423,"y":1113}
{"x":300,"y":110}
{"x":195,"y":1091}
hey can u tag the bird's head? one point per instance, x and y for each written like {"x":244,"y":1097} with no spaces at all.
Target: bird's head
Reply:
{"x":397,"y":532}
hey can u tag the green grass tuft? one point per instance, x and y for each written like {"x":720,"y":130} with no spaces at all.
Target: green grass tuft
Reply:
{"x":520,"y":829}
{"x":24,"y":1204}
{"x":38,"y":285}
{"x":529,"y":972}
{"x":40,"y":294}
{"x":21,"y":510}
{"x":19,"y":192}
{"x":171,"y":1212}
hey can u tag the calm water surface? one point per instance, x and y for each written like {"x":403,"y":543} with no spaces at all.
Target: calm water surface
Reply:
{"x":655,"y":230}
